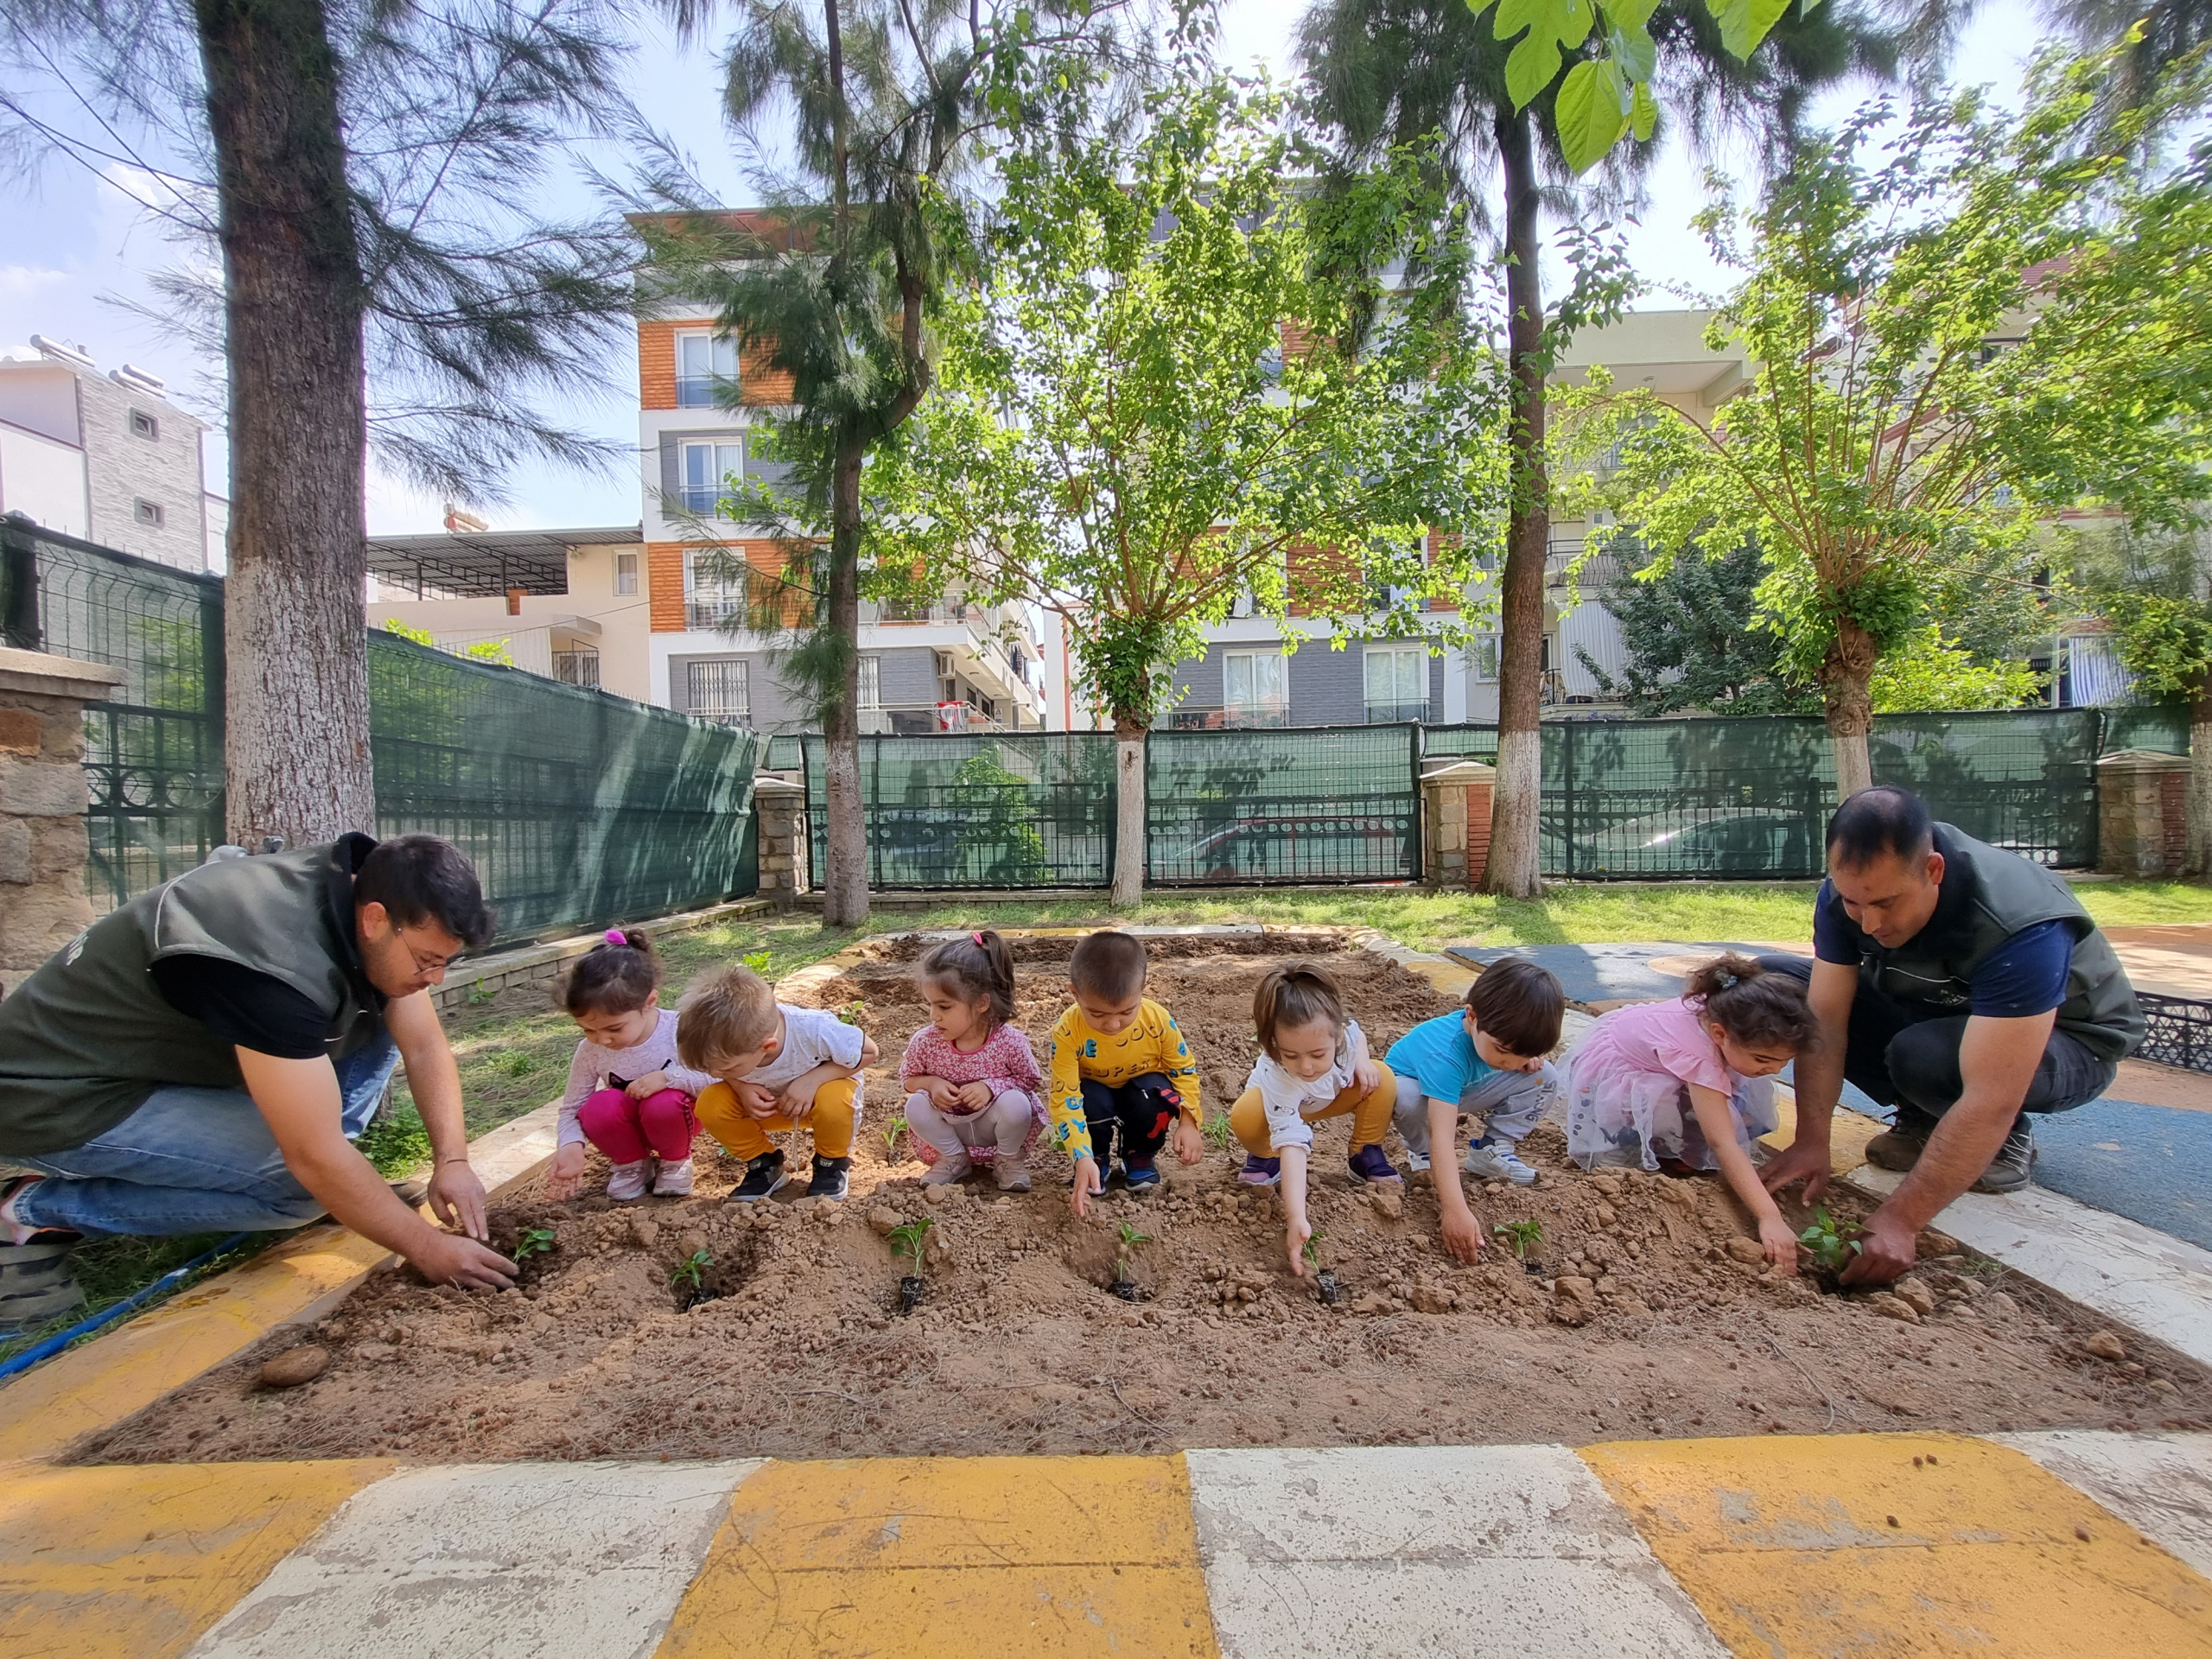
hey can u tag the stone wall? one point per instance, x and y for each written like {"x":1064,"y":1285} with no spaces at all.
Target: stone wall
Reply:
{"x":1455,"y":801}
{"x":782,"y":809}
{"x":2142,"y":813}
{"x":42,"y":801}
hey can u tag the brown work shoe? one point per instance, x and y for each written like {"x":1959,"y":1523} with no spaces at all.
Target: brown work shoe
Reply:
{"x":1898,"y":1147}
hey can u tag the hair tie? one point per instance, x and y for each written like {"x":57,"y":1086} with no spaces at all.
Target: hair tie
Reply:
{"x":1727,"y":981}
{"x":616,"y":936}
{"x":978,"y":937}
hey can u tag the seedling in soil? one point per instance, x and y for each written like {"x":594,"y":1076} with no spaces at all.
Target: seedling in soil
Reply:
{"x":1324,"y":1279}
{"x":479,"y":994}
{"x":535,"y":1241}
{"x":689,"y":1282}
{"x":906,"y":1240}
{"x":1831,"y":1251}
{"x":851,"y":1012}
{"x":1217,"y":1133}
{"x":757,"y":961}
{"x":1521,"y":1237}
{"x":1124,"y":1286}
{"x":891,"y":1131}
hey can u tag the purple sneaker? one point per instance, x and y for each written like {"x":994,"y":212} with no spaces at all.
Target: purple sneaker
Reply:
{"x":1372,"y":1164}
{"x":1259,"y":1172}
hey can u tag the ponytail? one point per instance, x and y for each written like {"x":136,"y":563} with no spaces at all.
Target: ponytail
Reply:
{"x":616,"y":975}
{"x":1294,"y":995}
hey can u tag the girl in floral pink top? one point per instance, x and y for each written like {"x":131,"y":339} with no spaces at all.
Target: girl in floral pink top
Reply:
{"x":975,"y":1097}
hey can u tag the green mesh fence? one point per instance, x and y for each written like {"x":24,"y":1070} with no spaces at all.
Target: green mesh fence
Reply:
{"x":979,"y":810}
{"x":1308,"y":805}
{"x":2163,"y":728}
{"x":579,"y":808}
{"x":784,"y":753}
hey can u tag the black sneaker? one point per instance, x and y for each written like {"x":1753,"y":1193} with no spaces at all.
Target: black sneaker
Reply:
{"x":2008,"y":1170}
{"x":1898,"y":1147}
{"x":828,"y":1180}
{"x":762,"y":1177}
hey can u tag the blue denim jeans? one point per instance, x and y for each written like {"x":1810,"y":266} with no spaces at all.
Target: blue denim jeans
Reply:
{"x":194,"y":1160}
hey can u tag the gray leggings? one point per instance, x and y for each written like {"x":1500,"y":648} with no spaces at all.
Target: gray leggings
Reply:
{"x":1001,"y":1126}
{"x":1510,"y":1104}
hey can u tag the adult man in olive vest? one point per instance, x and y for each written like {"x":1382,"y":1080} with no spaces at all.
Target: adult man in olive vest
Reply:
{"x":1960,"y":984}
{"x":201,"y":1059}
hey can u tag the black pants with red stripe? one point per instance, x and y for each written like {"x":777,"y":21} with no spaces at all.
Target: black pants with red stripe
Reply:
{"x":1143,"y":1109}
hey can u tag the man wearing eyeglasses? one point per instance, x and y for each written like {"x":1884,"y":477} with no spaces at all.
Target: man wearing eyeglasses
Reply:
{"x":201,"y":1059}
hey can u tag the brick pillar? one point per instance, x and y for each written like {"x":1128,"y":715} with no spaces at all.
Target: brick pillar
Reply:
{"x":782,"y":809}
{"x":2142,"y":812}
{"x":1455,"y":822}
{"x":42,"y":802}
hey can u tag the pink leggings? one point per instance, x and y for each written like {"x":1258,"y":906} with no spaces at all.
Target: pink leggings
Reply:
{"x":626,"y":1129}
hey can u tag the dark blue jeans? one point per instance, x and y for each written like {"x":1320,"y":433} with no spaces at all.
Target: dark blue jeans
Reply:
{"x":1906,"y":1055}
{"x":1143,"y":1109}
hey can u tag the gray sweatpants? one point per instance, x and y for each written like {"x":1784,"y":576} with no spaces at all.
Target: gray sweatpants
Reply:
{"x":1510,"y":1104}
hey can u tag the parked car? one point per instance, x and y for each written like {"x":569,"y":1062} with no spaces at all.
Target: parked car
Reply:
{"x":1747,"y":841}
{"x":1293,"y":847}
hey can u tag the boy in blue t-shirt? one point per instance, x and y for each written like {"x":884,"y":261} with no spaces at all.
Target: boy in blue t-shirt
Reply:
{"x":1485,"y":1061}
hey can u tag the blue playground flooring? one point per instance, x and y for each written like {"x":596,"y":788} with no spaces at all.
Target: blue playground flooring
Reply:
{"x":2152,"y":1164}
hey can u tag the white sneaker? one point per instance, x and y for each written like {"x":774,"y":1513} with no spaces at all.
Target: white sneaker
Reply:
{"x":674,"y":1180}
{"x":1417,"y":1160}
{"x":947,"y":1169}
{"x":1497,"y":1162}
{"x":628,"y":1181}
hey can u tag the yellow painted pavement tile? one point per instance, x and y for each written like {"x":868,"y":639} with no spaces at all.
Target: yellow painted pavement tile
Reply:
{"x":130,"y":1367}
{"x":949,"y":1558}
{"x":139,"y":1561}
{"x":1837,"y":1545}
{"x":1848,"y":1133}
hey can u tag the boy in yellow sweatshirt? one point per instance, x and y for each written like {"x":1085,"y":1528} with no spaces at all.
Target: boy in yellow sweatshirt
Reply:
{"x":1118,"y":1064}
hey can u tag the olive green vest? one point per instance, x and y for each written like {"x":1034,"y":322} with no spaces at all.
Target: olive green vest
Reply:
{"x":1999,"y":894}
{"x":84,"y":1039}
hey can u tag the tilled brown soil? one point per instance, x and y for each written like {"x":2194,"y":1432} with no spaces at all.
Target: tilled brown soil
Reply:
{"x":1638,"y":1320}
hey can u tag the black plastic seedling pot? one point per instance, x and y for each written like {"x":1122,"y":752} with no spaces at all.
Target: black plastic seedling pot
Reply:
{"x":910,"y":1293}
{"x":1326,"y":1282}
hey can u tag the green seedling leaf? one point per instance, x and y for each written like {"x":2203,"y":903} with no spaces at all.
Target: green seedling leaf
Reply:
{"x":1519,"y":1236}
{"x":906,"y":1240}
{"x":850,"y":1014}
{"x":891,"y":1131}
{"x":692,"y":1270}
{"x":1131,"y":1238}
{"x":1828,"y":1246}
{"x":1312,"y":1248}
{"x":535,"y":1241}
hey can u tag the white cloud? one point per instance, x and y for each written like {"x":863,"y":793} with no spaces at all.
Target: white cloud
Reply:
{"x":26,"y":282}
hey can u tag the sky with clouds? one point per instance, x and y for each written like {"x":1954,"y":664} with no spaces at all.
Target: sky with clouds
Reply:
{"x":77,"y":247}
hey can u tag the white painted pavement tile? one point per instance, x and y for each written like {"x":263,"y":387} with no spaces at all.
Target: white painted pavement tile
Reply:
{"x":528,"y":1560}
{"x":2160,"y":1484}
{"x":2158,"y":1283}
{"x":1513,"y":1551}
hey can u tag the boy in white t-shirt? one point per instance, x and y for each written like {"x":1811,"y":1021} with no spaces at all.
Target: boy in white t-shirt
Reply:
{"x":779,"y":1068}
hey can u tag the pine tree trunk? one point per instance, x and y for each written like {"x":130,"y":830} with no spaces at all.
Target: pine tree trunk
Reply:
{"x":1845,"y":677}
{"x":1513,"y":870}
{"x":844,"y":894}
{"x":2198,"y":860}
{"x":297,"y":750}
{"x":1129,"y":735}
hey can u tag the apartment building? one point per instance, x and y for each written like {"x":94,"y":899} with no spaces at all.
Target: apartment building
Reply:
{"x":104,"y":457}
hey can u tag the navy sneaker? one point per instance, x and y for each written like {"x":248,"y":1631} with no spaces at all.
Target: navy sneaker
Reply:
{"x":828,"y":1180}
{"x":1372,"y":1164}
{"x":1140,"y":1172}
{"x":1259,"y":1172}
{"x":762,"y":1177}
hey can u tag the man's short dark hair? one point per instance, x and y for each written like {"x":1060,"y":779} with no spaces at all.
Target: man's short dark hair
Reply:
{"x":1108,"y":965}
{"x":1876,"y":822}
{"x":420,"y":879}
{"x":1521,"y":1004}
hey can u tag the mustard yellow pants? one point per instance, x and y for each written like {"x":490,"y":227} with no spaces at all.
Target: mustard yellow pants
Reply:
{"x":746,"y":1137}
{"x":1369,"y":1112}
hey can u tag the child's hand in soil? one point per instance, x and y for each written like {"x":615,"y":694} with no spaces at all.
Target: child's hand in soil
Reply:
{"x":1779,"y":1243}
{"x":566,"y":1178}
{"x":1294,"y":1244}
{"x":1086,"y":1183}
{"x":973,"y":1096}
{"x":1188,"y":1140}
{"x":1368,"y":1076}
{"x":647,"y":1086}
{"x":1463,"y":1235}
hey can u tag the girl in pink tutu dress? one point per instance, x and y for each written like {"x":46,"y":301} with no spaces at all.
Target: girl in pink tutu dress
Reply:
{"x":1684,"y":1086}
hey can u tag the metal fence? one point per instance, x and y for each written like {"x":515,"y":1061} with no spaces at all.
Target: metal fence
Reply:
{"x":579,"y":808}
{"x":1001,"y":810}
{"x":1308,"y":805}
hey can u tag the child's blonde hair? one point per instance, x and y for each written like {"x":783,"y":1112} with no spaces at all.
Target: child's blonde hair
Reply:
{"x":726,"y":1016}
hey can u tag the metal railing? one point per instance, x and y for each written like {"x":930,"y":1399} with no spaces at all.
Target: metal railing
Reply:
{"x":702,"y":390}
{"x":1267,"y":713}
{"x":714,"y":613}
{"x":576,"y":668}
{"x":1397,"y":714}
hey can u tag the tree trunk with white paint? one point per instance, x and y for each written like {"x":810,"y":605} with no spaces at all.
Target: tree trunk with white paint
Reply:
{"x":1129,"y":736}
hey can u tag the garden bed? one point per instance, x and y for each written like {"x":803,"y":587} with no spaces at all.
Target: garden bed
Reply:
{"x":1640,"y":1321}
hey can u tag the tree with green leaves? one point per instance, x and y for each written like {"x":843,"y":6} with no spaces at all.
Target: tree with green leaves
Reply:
{"x":365,"y":173}
{"x":2156,"y":590}
{"x":1959,"y":329}
{"x":1152,"y":412}
{"x":1510,"y":92}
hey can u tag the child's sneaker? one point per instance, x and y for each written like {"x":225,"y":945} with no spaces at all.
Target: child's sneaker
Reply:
{"x":1012,"y":1174}
{"x":762,"y":1177}
{"x":674,"y":1180}
{"x":1372,"y":1164}
{"x":1417,"y":1161}
{"x":828,"y":1180}
{"x":1140,"y":1172}
{"x":1490,"y":1160}
{"x":628,"y":1181}
{"x":947,"y":1170}
{"x":1259,"y":1172}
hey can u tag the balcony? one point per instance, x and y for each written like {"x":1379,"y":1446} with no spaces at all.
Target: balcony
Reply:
{"x":713,"y":614}
{"x":923,"y":719}
{"x":700,"y":497}
{"x":1394,"y":714}
{"x":703,"y":391}
{"x":576,"y":668}
{"x":1261,"y":714}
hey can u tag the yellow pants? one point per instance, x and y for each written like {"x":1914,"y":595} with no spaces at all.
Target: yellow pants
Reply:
{"x":746,"y":1137}
{"x":1370,"y":1114}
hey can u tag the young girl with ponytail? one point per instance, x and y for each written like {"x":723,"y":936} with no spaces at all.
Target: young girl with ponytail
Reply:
{"x":627,"y":1093}
{"x":1684,"y":1086}
{"x":976,"y":1096}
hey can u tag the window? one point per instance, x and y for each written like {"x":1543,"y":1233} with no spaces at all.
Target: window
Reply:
{"x":1397,"y":683}
{"x":625,"y":573}
{"x":713,"y":587}
{"x":871,"y":682}
{"x":1485,"y":651}
{"x":706,"y":466}
{"x":147,"y":512}
{"x":143,"y":425}
{"x":705,"y":365}
{"x":719,"y":691}
{"x":1252,"y":688}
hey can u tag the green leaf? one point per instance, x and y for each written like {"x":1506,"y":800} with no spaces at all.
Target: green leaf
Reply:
{"x":1744,"y":24}
{"x":1590,"y":111}
{"x":1643,"y":113}
{"x":1513,"y":15}
{"x":1635,"y":50}
{"x":1629,"y":14}
{"x":1572,"y":20}
{"x":1530,"y":67}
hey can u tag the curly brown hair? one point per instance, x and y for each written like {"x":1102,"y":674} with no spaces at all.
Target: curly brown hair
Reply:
{"x":1755,"y":1005}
